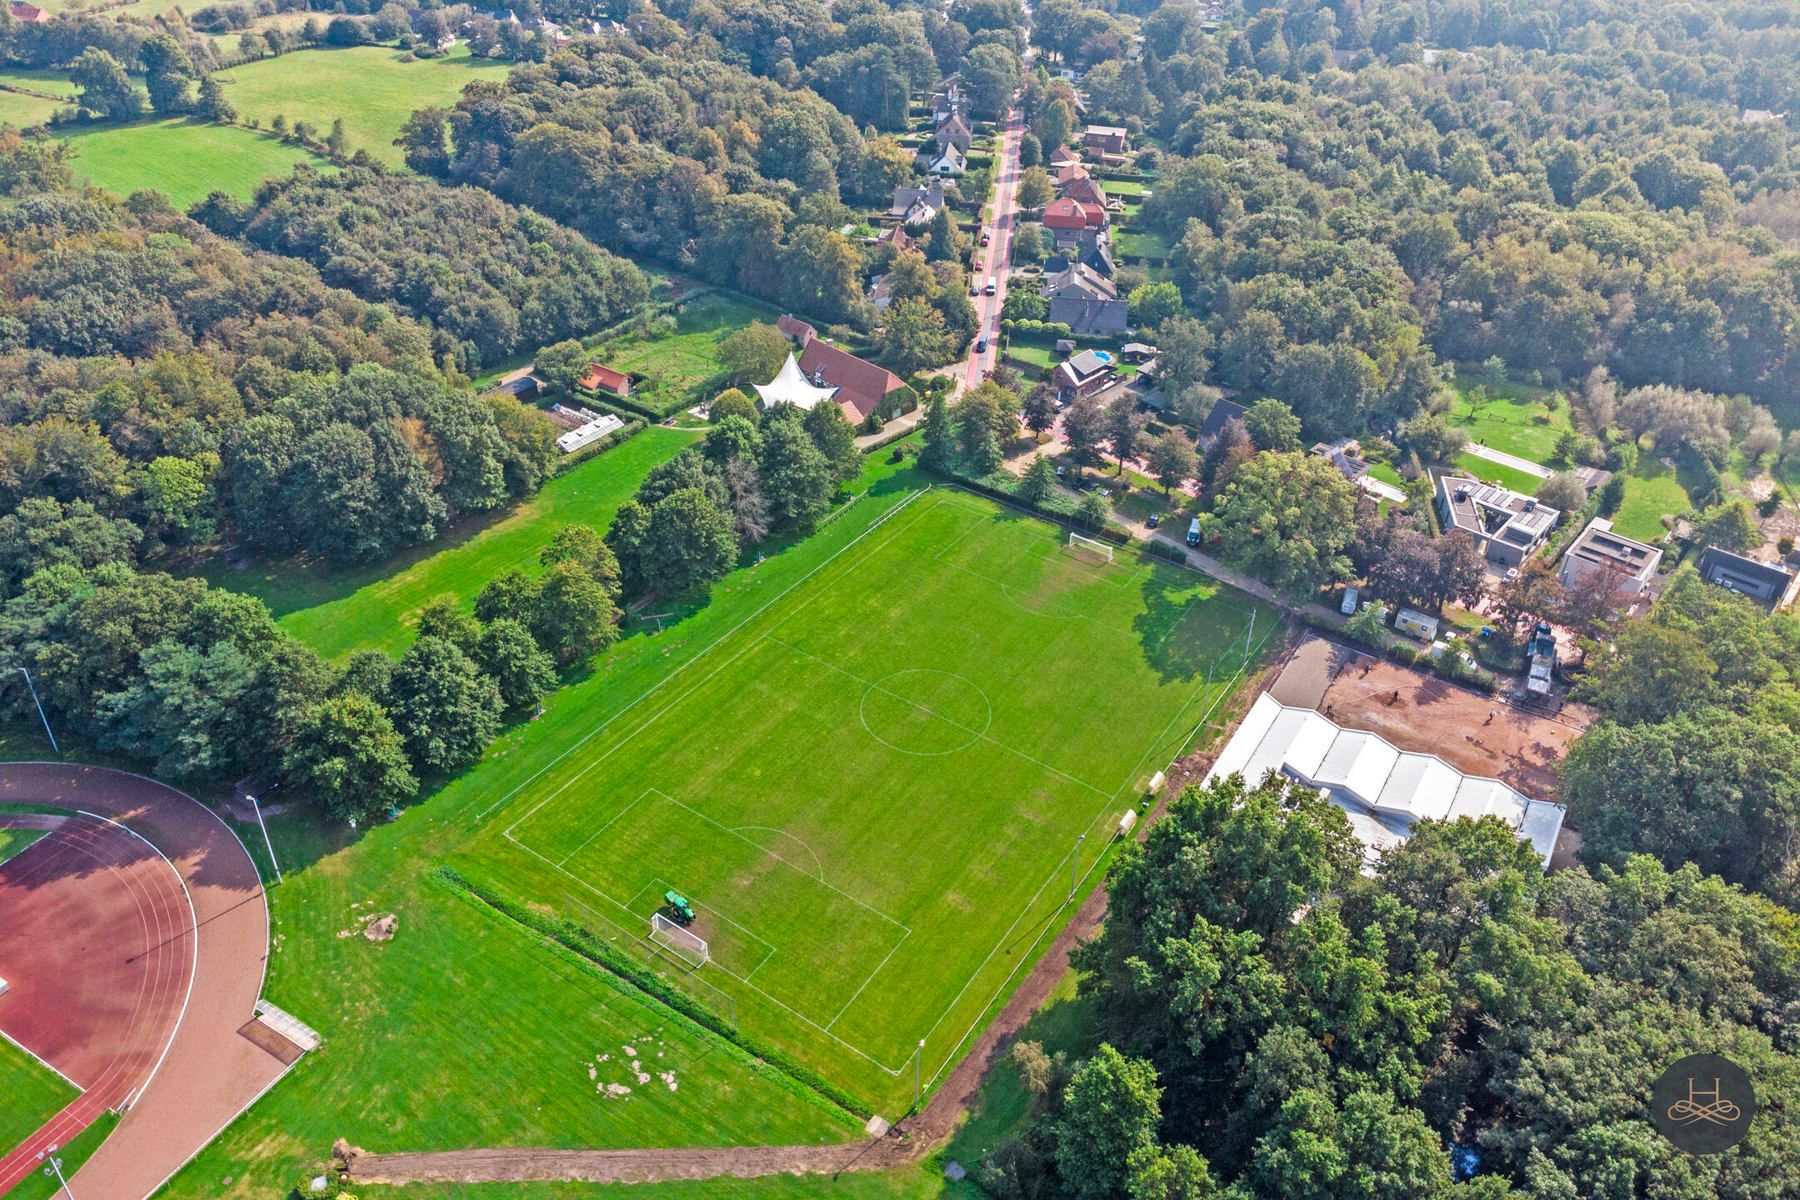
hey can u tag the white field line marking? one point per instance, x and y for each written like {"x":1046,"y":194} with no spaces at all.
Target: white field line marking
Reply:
{"x":942,"y":497}
{"x":871,"y":979}
{"x":977,"y":734}
{"x":193,"y":932}
{"x":679,"y":671}
{"x":1081,"y":885}
{"x":613,"y":820}
{"x":799,"y":1016}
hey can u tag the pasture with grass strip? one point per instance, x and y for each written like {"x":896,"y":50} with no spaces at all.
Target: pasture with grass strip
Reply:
{"x":338,"y":611}
{"x":369,"y":88}
{"x":184,"y":160}
{"x":677,"y":367}
{"x":30,"y":1093}
{"x":873,"y":788}
{"x":1514,"y":417}
{"x":1489,"y":471}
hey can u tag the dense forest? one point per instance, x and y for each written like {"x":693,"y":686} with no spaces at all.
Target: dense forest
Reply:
{"x":1275,"y":1024}
{"x":183,"y":388}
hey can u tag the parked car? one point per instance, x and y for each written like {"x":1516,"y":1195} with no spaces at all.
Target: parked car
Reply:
{"x":1153,"y":520}
{"x":1193,"y":536}
{"x":974,"y":288}
{"x":991,"y":287}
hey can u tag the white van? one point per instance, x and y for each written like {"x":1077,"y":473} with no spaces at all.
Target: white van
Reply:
{"x":1193,"y":538}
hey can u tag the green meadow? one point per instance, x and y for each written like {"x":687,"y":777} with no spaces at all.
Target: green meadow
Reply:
{"x":337,"y":611}
{"x":961,"y":777}
{"x":185,"y":160}
{"x":30,"y":1093}
{"x":372,"y":89}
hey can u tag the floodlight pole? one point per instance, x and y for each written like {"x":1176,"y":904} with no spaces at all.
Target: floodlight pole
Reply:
{"x":1074,"y":866}
{"x":257,"y":805}
{"x":40,"y":707}
{"x":53,"y":1166}
{"x":918,"y":1056}
{"x":1248,"y":636}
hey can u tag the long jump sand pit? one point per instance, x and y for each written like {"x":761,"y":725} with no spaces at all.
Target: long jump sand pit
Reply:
{"x":1475,"y":733}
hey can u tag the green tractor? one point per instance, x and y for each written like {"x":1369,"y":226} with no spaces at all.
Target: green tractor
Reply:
{"x":677,"y":907}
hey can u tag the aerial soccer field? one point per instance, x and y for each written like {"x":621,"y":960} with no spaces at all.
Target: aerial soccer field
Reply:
{"x":879,"y":791}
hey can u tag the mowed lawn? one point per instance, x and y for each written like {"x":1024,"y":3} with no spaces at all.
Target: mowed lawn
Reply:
{"x":338,"y":611}
{"x":25,"y":111}
{"x":1652,"y":491}
{"x":368,"y":87}
{"x":184,"y":160}
{"x":1489,"y":471}
{"x":30,"y":1094}
{"x":1513,"y":418}
{"x":873,"y":789}
{"x":14,"y":840}
{"x":466,"y":1030}
{"x":676,"y":368}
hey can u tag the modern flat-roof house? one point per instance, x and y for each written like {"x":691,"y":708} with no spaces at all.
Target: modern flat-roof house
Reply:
{"x":1631,"y":563}
{"x":1768,"y":584}
{"x":1506,"y":525}
{"x":1383,"y":790}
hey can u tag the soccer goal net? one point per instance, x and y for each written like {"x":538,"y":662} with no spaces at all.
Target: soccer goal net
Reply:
{"x":1090,"y":548}
{"x":687,"y":945}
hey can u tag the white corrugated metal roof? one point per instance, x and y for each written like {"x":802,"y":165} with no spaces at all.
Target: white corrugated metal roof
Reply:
{"x":1383,"y":790}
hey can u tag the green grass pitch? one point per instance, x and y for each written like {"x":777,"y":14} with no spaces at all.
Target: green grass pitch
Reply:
{"x":873,"y":788}
{"x":30,"y":1094}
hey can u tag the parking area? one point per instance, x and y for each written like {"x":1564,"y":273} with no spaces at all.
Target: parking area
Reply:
{"x":1475,"y":733}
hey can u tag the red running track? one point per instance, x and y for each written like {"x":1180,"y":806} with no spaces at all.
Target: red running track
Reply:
{"x":98,"y":946}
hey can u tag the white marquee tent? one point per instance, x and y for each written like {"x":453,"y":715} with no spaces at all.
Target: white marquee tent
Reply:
{"x":1382,"y":790}
{"x":791,"y":386}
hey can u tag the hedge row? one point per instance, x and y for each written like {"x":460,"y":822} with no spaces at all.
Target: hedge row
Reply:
{"x":569,"y":462}
{"x":582,"y":941}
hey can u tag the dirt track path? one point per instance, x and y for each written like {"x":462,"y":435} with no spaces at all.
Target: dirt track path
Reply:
{"x":909,"y":1141}
{"x":210,"y":1074}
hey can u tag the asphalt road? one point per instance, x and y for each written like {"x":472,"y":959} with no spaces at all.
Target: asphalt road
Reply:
{"x":1002,"y":220}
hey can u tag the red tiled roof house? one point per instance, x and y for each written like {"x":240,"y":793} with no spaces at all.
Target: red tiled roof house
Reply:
{"x":605,"y":379}
{"x":1065,"y":213}
{"x":862,"y":386}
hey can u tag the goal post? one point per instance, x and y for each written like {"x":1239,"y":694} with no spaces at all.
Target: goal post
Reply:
{"x":1090,"y":548}
{"x":687,"y":945}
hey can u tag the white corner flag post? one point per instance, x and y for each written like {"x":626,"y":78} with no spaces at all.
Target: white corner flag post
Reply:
{"x":257,"y":805}
{"x":40,"y":707}
{"x":53,"y":1167}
